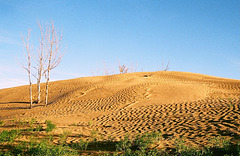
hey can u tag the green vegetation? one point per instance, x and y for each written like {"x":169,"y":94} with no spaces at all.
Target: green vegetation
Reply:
{"x":80,"y":145}
{"x":42,"y":148}
{"x":186,"y":150}
{"x":63,"y":138}
{"x":143,"y":144}
{"x":9,"y":135}
{"x":218,"y":145}
{"x":146,"y":144}
{"x":50,"y":126}
{"x":1,"y":123}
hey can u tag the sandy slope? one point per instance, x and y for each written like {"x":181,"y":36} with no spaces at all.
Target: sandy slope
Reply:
{"x":175,"y":103}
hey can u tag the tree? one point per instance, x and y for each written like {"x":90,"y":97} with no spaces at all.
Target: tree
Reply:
{"x":165,"y":68}
{"x":54,"y":53}
{"x":40,"y":58}
{"x":48,"y":55}
{"x":123,"y":69}
{"x":28,"y":67}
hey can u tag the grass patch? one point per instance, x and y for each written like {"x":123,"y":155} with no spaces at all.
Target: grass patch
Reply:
{"x":143,"y":144}
{"x":63,"y":138}
{"x":9,"y":136}
{"x":182,"y":149}
{"x":42,"y":148}
{"x":50,"y":126}
{"x":80,"y":145}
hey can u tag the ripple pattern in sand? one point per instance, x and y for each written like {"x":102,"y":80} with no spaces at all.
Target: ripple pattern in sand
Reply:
{"x":193,"y":120}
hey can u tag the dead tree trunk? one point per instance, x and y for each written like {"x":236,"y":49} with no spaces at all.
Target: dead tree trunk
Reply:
{"x":41,"y":58}
{"x":54,"y":55}
{"x":28,"y":67}
{"x":40,"y":72}
{"x":30,"y":81}
{"x":47,"y":84}
{"x":47,"y":76}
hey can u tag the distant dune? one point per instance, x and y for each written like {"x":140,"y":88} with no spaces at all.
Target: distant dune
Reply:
{"x":175,"y":103}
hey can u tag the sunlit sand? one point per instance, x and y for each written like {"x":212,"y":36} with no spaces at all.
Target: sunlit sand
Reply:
{"x":177,"y":104}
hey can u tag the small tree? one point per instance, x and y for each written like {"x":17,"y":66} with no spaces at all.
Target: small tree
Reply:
{"x":54,"y":54}
{"x":40,"y":58}
{"x":123,"y":69}
{"x":165,"y":68}
{"x":28,"y":67}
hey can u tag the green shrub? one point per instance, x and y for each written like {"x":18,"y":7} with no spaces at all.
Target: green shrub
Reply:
{"x":9,"y":135}
{"x":81,"y":145}
{"x":141,"y":145}
{"x":219,"y":142}
{"x":63,"y":137}
{"x":38,"y":128}
{"x":8,"y":153}
{"x":183,"y":149}
{"x":125,"y":144}
{"x":50,"y":126}
{"x":20,"y":148}
{"x":142,"y":142}
{"x":43,"y":149}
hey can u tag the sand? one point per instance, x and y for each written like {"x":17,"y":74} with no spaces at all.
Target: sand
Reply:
{"x":179,"y":104}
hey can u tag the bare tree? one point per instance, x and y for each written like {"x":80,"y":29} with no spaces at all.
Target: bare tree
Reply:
{"x":47,"y":57}
{"x":106,"y":70}
{"x":132,"y":68}
{"x":28,"y":67}
{"x":54,"y":54}
{"x":165,"y":68}
{"x":123,"y":69}
{"x":40,"y":59}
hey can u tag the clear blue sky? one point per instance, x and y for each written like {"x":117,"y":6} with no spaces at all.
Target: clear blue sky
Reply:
{"x":199,"y":36}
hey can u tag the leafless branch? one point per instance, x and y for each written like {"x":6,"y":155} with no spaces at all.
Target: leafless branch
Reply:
{"x":53,"y":53}
{"x":165,"y":68}
{"x":28,"y":58}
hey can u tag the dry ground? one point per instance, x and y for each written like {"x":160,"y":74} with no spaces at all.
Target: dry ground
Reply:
{"x":178,"y":104}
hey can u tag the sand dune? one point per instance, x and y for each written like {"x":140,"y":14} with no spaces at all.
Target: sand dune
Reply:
{"x":176,"y":103}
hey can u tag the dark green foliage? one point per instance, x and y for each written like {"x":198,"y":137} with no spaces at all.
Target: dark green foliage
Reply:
{"x":8,"y":153}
